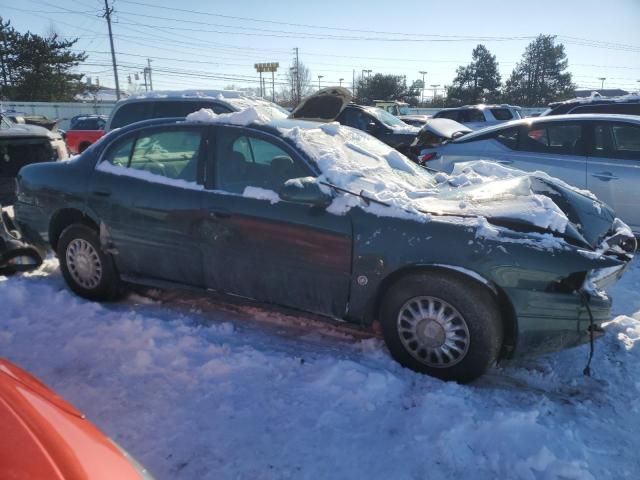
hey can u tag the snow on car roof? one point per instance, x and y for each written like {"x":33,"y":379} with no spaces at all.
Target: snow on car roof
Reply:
{"x":359,"y":163}
{"x":596,"y":97}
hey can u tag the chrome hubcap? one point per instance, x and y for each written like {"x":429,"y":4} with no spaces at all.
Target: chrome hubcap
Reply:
{"x":84,"y":263}
{"x":433,"y":332}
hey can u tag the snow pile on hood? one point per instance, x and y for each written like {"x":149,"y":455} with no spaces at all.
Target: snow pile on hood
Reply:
{"x":244,"y":117}
{"x":360,"y":163}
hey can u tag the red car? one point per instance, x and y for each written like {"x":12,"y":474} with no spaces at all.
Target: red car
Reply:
{"x":84,"y":131}
{"x":44,"y":437}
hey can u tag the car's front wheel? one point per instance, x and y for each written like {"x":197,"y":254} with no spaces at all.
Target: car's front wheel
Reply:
{"x":88,"y":270}
{"x":442,"y":324}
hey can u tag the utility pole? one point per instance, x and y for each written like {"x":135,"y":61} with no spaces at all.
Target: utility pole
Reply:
{"x":107,"y":14}
{"x":319,"y":77}
{"x":298,"y":93}
{"x":353,"y":83}
{"x":149,"y":70}
{"x":423,"y":85}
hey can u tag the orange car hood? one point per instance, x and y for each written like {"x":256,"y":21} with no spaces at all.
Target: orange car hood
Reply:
{"x":43,"y":436}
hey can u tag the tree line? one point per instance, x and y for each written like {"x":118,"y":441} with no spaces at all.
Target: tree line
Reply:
{"x":34,"y":68}
{"x":539,"y":78}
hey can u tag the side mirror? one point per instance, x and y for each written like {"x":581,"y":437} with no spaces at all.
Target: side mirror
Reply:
{"x":304,"y":190}
{"x":372,"y":127}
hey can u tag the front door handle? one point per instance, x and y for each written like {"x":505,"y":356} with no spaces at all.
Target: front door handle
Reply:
{"x":504,"y":162}
{"x":605,"y":176}
{"x":101,"y":193}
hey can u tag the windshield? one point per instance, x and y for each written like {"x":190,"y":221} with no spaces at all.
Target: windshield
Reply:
{"x":386,"y":118}
{"x":356,"y":161}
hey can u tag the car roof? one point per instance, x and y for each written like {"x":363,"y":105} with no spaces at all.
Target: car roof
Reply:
{"x":585,"y":117}
{"x":481,"y":106}
{"x":599,"y":100}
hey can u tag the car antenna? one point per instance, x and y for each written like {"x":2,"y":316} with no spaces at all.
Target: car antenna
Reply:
{"x":585,"y":302}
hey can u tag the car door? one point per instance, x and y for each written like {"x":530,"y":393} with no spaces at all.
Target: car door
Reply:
{"x":258,"y":246}
{"x":613,"y":168}
{"x":147,"y":191}
{"x":556,"y":148}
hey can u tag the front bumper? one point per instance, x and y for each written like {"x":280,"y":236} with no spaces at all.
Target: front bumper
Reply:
{"x":548,"y":322}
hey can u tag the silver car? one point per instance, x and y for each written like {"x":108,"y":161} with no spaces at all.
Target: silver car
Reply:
{"x":600,"y":153}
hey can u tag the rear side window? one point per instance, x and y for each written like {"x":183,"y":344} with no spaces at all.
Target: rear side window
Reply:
{"x":473,"y":115}
{"x":89,"y":124}
{"x":560,"y":138}
{"x":172,"y":154}
{"x":617,"y":141}
{"x":502,"y":113}
{"x":180,"y":108}
{"x":450,"y":114}
{"x":618,"y":108}
{"x":120,"y":153}
{"x":130,"y":113}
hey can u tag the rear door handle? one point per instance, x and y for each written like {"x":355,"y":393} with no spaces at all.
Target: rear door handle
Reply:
{"x":102,"y":193}
{"x":606,"y":176}
{"x":219,"y":215}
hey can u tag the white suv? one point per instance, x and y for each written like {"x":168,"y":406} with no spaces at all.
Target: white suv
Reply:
{"x":479,"y":116}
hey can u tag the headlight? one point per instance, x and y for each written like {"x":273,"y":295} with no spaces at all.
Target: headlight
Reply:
{"x":597,"y":280}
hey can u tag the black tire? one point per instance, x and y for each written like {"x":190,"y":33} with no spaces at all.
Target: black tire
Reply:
{"x":103,"y":282}
{"x":480,"y":325}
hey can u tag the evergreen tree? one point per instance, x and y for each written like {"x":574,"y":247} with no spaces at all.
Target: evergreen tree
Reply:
{"x":385,"y":87}
{"x":36,"y":68}
{"x":478,"y":82}
{"x":540,"y":77}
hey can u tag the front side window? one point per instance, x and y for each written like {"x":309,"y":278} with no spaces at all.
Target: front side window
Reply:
{"x":501,"y":113}
{"x":386,"y":118}
{"x":171,"y":154}
{"x":508,"y":137}
{"x":560,"y":138}
{"x":355,"y":119}
{"x":617,"y":141}
{"x":247,"y":161}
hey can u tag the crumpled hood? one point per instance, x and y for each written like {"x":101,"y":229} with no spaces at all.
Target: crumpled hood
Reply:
{"x":520,"y":201}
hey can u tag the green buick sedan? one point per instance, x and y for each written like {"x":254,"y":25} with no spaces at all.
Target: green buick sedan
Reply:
{"x":459,"y":271}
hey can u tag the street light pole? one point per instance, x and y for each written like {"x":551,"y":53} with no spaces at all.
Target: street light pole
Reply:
{"x":341,"y":81}
{"x":319,"y":77}
{"x":602,"y":79}
{"x":423,"y":74}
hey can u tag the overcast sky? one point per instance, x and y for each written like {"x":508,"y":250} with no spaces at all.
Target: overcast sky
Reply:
{"x":215,"y":44}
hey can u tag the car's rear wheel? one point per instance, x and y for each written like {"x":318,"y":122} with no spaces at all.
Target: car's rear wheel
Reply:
{"x":442,"y":324}
{"x":87,"y":269}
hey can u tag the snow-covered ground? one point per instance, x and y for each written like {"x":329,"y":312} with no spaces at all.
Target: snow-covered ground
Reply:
{"x":199,"y":389}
